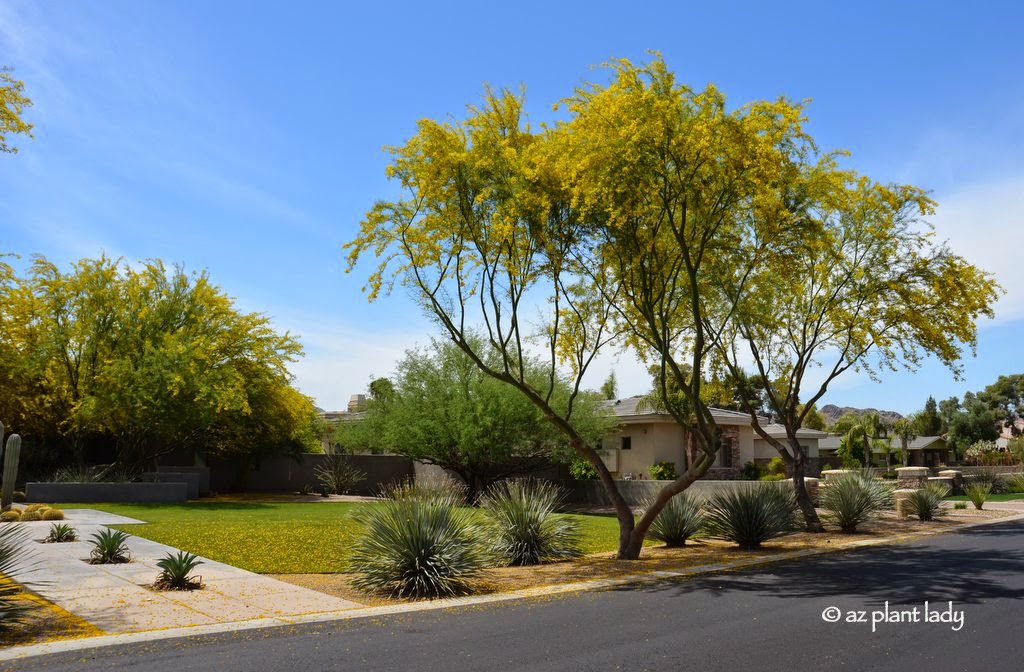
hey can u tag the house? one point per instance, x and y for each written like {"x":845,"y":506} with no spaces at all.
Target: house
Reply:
{"x":925,"y":451}
{"x":643,"y":437}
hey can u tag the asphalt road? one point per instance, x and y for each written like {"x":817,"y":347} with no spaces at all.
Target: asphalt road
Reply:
{"x":768,"y":619}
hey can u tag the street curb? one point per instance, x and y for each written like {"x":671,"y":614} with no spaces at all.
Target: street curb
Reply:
{"x":65,"y":646}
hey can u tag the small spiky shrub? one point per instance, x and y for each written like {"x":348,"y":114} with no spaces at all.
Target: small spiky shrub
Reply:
{"x":417,"y":548}
{"x":442,"y":490}
{"x":53,"y":514}
{"x":978,"y":493}
{"x":337,"y":475}
{"x":926,"y":502}
{"x":61,"y":533}
{"x":525,"y":527}
{"x":1015,"y":483}
{"x":31,"y":516}
{"x":176,"y":570}
{"x":10,"y":516}
{"x":76,"y":474}
{"x":109,"y":548}
{"x":997,"y":482}
{"x":35,"y":507}
{"x":680,"y":519}
{"x":960,"y":506}
{"x":751,"y":515}
{"x":14,"y":555}
{"x":853,"y":499}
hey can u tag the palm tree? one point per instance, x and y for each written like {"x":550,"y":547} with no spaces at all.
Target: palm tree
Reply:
{"x":904,"y":430}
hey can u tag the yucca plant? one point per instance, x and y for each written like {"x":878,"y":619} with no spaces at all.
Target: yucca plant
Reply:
{"x":337,"y":475}
{"x":109,"y":548}
{"x":926,"y":502}
{"x":989,"y":477}
{"x":751,"y":515}
{"x":525,"y":527}
{"x":853,"y":499}
{"x":682,"y":517}
{"x":14,"y":556}
{"x":61,"y":533}
{"x":978,"y":493}
{"x":417,"y":548}
{"x":1015,"y":483}
{"x":175,"y":571}
{"x":440,"y":490}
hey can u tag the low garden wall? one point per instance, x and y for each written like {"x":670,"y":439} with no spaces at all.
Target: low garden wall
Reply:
{"x":286,"y":474}
{"x":592,"y":493}
{"x":106,"y":492}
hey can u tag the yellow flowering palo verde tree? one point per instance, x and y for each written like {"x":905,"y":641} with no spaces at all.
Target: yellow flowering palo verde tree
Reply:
{"x":854,"y":280}
{"x":617,"y":220}
{"x":667,"y":177}
{"x":484,"y":240}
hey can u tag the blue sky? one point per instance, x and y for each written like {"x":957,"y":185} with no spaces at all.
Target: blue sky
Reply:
{"x":245,"y":138}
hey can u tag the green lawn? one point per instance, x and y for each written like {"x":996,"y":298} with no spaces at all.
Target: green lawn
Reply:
{"x":992,"y":498}
{"x":279,"y":538}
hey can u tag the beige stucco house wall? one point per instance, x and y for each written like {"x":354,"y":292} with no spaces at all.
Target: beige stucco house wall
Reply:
{"x":643,"y":438}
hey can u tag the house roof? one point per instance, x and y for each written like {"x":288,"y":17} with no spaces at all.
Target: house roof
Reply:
{"x":776,"y":430}
{"x":637,"y":409}
{"x":831,"y":442}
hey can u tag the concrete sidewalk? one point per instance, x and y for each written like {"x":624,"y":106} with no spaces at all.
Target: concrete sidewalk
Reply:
{"x":118,"y":599}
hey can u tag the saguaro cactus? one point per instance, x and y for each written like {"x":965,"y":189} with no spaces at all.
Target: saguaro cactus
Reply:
{"x":12,"y":452}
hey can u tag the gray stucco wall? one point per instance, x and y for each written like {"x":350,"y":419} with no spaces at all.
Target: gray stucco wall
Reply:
{"x":106,"y":492}
{"x":284,"y":474}
{"x":592,"y":493}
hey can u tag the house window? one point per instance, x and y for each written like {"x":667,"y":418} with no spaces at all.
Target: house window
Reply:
{"x":627,"y":442}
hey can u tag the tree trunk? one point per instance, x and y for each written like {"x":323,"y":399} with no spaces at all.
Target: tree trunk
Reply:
{"x":906,"y":453}
{"x":803,"y":499}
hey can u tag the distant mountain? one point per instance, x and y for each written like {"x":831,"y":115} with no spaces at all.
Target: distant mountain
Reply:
{"x":833,"y":412}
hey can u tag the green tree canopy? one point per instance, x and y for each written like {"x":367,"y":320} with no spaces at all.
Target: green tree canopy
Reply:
{"x":147,"y":359}
{"x":13,"y":102}
{"x":443,"y":410}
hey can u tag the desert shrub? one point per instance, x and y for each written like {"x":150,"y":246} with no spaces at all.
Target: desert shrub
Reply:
{"x":773,"y":477}
{"x":996,"y":482}
{"x":663,"y":471}
{"x":338,"y":475}
{"x":75,"y":474}
{"x":176,"y":570}
{"x":853,"y":499}
{"x":978,"y":493}
{"x":109,"y":547}
{"x":416,"y":547}
{"x":926,"y":502}
{"x":61,"y":533}
{"x":1015,"y":483}
{"x":582,"y":470}
{"x":14,"y":555}
{"x":439,"y":489}
{"x":18,"y":496}
{"x":53,"y":514}
{"x":960,"y":506}
{"x":680,"y":519}
{"x":750,"y":516}
{"x":776,"y":467}
{"x":524,"y":525}
{"x":35,"y":507}
{"x":750,"y":471}
{"x":31,"y":516}
{"x":10,"y":516}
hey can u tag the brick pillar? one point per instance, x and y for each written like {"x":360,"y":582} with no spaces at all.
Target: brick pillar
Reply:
{"x":912,"y":478}
{"x":899,"y":498}
{"x":958,"y":480}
